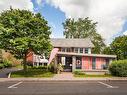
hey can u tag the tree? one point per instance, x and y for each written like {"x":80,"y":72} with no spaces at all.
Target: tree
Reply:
{"x":119,"y":47}
{"x":83,"y":28}
{"x":1,"y":58}
{"x":21,"y":30}
{"x":107,"y":50}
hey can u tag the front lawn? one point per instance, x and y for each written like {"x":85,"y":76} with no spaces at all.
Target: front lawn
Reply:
{"x":97,"y":76}
{"x":35,"y":73}
{"x":83,"y":75}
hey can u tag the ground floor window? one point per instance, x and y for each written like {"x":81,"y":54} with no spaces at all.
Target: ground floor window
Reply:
{"x":78,"y":63}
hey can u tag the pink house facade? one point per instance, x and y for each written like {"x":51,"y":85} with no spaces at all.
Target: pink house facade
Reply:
{"x":75,"y":54}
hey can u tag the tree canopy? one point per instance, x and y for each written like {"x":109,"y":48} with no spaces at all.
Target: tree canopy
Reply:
{"x":21,"y":30}
{"x":83,"y":28}
{"x":119,"y":47}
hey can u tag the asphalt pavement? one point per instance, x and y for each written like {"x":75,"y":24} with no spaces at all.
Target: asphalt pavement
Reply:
{"x":63,"y":88}
{"x":4,"y":72}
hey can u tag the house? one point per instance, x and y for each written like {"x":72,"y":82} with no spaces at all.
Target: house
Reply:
{"x":36,"y":60}
{"x":75,"y":54}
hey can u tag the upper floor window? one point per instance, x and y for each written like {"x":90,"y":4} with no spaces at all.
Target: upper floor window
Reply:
{"x":76,"y":50}
{"x":86,"y":50}
{"x":81,"y":50}
{"x":63,"y":49}
{"x":68,"y":49}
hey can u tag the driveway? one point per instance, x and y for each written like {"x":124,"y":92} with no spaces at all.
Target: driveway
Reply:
{"x":64,"y":88}
{"x":4,"y":72}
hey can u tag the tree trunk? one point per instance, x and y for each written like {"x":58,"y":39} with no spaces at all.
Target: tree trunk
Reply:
{"x":24,"y":63}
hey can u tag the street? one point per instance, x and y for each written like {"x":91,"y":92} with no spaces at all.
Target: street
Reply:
{"x":64,"y":88}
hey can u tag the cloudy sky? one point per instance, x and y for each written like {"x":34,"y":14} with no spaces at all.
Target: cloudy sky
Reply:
{"x":111,"y":15}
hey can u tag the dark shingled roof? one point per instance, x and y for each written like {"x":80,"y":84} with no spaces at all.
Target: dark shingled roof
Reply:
{"x":62,"y":42}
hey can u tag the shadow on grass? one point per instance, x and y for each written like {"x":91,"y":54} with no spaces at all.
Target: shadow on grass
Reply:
{"x":32,"y":73}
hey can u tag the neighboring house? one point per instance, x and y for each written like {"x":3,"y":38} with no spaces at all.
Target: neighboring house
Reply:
{"x":36,"y":60}
{"x":76,"y":54}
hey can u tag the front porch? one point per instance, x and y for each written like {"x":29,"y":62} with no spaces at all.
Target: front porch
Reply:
{"x":86,"y":63}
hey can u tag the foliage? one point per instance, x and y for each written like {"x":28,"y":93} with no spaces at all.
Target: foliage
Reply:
{"x":11,"y":58}
{"x":1,"y":65}
{"x":119,"y":47}
{"x":1,"y":58}
{"x":59,"y":68}
{"x":32,"y":73}
{"x":7,"y":63}
{"x":107,"y":50}
{"x":21,"y":30}
{"x":118,"y":68}
{"x":83,"y":28}
{"x":51,"y":67}
{"x":40,"y":67}
{"x":79,"y":73}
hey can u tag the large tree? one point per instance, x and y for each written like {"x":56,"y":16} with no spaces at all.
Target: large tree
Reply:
{"x":119,"y":47}
{"x":83,"y":28}
{"x":21,"y":30}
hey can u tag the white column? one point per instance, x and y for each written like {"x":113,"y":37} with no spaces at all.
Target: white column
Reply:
{"x":73,"y":63}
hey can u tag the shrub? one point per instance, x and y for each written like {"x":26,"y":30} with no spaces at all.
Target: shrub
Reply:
{"x":79,"y":73}
{"x":118,"y":68}
{"x":29,"y":63}
{"x":1,"y":66}
{"x":7,"y":63}
{"x":51,"y":67}
{"x":40,"y":67}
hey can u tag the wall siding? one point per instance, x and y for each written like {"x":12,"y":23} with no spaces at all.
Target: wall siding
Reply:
{"x":87,"y":63}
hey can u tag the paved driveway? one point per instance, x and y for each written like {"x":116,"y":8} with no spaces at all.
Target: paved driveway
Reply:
{"x":4,"y":72}
{"x":63,"y":88}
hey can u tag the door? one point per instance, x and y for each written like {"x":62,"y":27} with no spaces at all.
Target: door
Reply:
{"x":68,"y":64}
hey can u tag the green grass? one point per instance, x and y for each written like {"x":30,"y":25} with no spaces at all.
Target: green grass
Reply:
{"x":92,"y":76}
{"x":35,"y":73}
{"x":19,"y":66}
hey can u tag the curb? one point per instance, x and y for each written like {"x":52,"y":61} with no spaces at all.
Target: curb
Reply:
{"x":58,"y":80}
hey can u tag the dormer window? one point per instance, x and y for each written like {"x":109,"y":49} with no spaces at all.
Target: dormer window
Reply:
{"x":68,"y":49}
{"x":86,"y":50}
{"x":76,"y":50}
{"x":63,"y":49}
{"x":81,"y":50}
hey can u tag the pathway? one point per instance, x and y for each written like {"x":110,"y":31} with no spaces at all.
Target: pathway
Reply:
{"x":64,"y":76}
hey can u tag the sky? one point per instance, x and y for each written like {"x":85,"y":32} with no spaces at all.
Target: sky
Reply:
{"x":111,"y":15}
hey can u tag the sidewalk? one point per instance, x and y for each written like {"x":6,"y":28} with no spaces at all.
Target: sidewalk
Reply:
{"x":64,"y":77}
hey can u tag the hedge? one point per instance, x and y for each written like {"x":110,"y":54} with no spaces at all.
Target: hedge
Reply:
{"x":118,"y":68}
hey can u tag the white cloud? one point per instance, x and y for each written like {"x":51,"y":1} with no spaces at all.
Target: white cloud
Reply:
{"x":21,"y":4}
{"x":125,"y":33}
{"x":110,"y":14}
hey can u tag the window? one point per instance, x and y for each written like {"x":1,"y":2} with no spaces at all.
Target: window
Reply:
{"x":68,"y":50}
{"x":63,"y":49}
{"x":81,"y":50}
{"x":86,"y":50}
{"x":76,"y":50}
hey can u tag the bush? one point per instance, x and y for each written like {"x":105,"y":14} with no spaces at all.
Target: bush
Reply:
{"x":79,"y":73}
{"x":40,"y":67}
{"x":7,"y":63}
{"x":118,"y":68}
{"x":51,"y":67}
{"x":1,"y":66}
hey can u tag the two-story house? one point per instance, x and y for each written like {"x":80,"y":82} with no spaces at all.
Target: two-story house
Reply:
{"x":76,"y":54}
